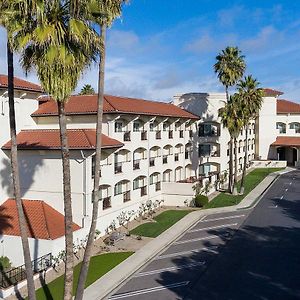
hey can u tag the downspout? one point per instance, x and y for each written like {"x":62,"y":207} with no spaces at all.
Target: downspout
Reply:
{"x":84,"y":183}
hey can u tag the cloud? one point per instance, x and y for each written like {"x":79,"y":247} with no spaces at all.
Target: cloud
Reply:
{"x":122,"y":40}
{"x":227,"y":17}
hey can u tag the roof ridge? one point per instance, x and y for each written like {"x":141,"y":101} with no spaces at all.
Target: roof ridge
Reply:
{"x":86,"y":136}
{"x":46,"y":222}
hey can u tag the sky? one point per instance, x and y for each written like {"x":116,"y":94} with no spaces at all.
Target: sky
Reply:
{"x":160,"y":48}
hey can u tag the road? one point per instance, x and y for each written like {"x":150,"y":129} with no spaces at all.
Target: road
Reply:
{"x":246,"y":254}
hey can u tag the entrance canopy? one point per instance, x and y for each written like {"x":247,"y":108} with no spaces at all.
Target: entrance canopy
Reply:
{"x":291,"y":141}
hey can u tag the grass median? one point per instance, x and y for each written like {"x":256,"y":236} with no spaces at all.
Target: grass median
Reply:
{"x":161,"y":223}
{"x":100,"y":265}
{"x":251,"y":181}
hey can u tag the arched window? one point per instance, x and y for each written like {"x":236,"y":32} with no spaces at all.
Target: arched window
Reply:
{"x":296,"y":126}
{"x":281,"y":127}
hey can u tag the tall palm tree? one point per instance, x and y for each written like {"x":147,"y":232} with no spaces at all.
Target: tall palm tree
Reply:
{"x":103,"y":13}
{"x":7,"y":11}
{"x":251,"y":99}
{"x":230,"y":67}
{"x":87,"y":89}
{"x":59,"y":44}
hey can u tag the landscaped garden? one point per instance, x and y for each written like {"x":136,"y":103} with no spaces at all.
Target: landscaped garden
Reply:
{"x":161,"y":223}
{"x":100,"y":265}
{"x":251,"y":181}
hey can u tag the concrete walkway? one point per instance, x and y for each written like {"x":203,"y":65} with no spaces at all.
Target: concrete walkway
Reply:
{"x":110,"y":281}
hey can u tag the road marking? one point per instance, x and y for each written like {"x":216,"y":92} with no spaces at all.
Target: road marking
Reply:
{"x":286,"y":190}
{"x":291,"y":183}
{"x":213,"y":227}
{"x":210,"y":237}
{"x":188,"y":252}
{"x":185,"y":266}
{"x":281,"y":197}
{"x":224,"y":218}
{"x":150,"y":290}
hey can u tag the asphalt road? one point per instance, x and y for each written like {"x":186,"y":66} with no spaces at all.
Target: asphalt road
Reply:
{"x":249,"y":254}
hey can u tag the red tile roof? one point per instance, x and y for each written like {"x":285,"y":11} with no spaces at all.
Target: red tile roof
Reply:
{"x":20,"y":84}
{"x":49,"y":139}
{"x":43,"y":221}
{"x":271,"y":93}
{"x":285,"y":107}
{"x":87,"y":104}
{"x":287,"y":141}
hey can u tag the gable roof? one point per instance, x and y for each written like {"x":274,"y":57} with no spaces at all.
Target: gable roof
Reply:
{"x":20,"y":84}
{"x":271,"y":93}
{"x":287,"y":141}
{"x":49,"y":139}
{"x":286,"y":106}
{"x":87,"y":104}
{"x":43,"y":221}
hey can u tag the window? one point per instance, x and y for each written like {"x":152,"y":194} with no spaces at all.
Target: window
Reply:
{"x":151,"y":126}
{"x":204,"y":150}
{"x":207,"y":130}
{"x":106,"y":203}
{"x":136,"y":126}
{"x":136,"y":183}
{"x":118,"y":126}
{"x":295,"y":126}
{"x":281,"y":127}
{"x":165,"y":126}
{"x":118,"y":188}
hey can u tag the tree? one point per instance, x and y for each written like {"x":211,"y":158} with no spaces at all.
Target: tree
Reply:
{"x":230,"y":67}
{"x":54,"y":39}
{"x":251,"y":100}
{"x":102,"y":13}
{"x":87,"y":89}
{"x":6,"y":20}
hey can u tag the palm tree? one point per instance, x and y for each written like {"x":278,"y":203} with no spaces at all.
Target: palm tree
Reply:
{"x":251,"y":100}
{"x":59,"y":44}
{"x":102,"y":13}
{"x":7,"y":11}
{"x":87,"y":89}
{"x":230,"y":67}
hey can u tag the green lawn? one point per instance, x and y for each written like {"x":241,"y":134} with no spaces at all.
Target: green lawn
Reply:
{"x":251,"y":181}
{"x":99,"y":265}
{"x":163,"y":221}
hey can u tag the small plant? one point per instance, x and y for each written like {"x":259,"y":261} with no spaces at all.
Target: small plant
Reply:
{"x":97,"y":233}
{"x":205,"y":190}
{"x":5,"y":263}
{"x":200,"y":200}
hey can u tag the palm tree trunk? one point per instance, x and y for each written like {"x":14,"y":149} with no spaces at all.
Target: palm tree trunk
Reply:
{"x":235,"y":166}
{"x":16,"y":176}
{"x":245,"y":161}
{"x":230,"y":166}
{"x":95,"y":195}
{"x":69,"y":260}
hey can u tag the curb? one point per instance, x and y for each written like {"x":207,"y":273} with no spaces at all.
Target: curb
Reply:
{"x":104,"y":286}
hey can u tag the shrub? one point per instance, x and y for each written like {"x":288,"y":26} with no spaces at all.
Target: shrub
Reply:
{"x":5,"y":263}
{"x":201,"y":200}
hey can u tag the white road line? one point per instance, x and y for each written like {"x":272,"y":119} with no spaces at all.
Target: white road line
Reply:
{"x":188,"y":252}
{"x":150,"y":290}
{"x":224,"y":218}
{"x":210,"y":237}
{"x":286,"y":190}
{"x":213,"y":227}
{"x":291,"y":183}
{"x":180,"y":267}
{"x":281,"y":197}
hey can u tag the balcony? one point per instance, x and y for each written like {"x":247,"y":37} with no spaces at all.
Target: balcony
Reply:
{"x":118,"y":168}
{"x":143,"y":191}
{"x":106,"y":202}
{"x":144,"y":135}
{"x":165,"y":159}
{"x":151,"y":161}
{"x":127,"y":136}
{"x":158,"y":135}
{"x":181,"y":134}
{"x":136,"y":164}
{"x":157,"y":186}
{"x":170,"y":134}
{"x":215,"y":153}
{"x":176,"y":157}
{"x":126,"y":196}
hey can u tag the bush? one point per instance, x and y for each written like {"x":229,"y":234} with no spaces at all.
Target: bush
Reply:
{"x":201,"y":200}
{"x":5,"y":263}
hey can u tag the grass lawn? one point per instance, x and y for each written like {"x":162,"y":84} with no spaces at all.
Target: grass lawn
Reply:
{"x":251,"y":181}
{"x":163,"y":221}
{"x":99,"y":265}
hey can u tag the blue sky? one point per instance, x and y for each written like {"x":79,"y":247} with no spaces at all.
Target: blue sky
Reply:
{"x":160,"y":48}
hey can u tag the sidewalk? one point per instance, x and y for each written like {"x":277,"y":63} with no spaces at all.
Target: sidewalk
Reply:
{"x":111,"y":280}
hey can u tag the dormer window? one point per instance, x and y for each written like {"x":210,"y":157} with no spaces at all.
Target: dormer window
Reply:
{"x":118,"y":126}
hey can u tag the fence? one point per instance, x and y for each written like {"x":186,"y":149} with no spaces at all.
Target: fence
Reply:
{"x":15,"y":275}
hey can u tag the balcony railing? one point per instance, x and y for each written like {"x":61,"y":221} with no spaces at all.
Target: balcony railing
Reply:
{"x":136,"y":164}
{"x":126,"y":196}
{"x":176,"y":157}
{"x":215,"y":153}
{"x":151,"y":161}
{"x":127,"y":136}
{"x":157,"y":186}
{"x":170,"y":134}
{"x":143,"y":191}
{"x":144,"y":135}
{"x":165,"y":159}
{"x":118,"y":168}
{"x":106,"y":202}
{"x":158,"y":135}
{"x":180,"y":133}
